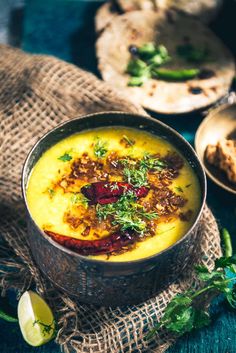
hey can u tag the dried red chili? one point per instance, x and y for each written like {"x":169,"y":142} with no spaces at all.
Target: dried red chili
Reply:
{"x":104,"y":192}
{"x":112,"y":243}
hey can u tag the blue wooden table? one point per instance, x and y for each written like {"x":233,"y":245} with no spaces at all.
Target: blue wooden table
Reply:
{"x":65,"y":28}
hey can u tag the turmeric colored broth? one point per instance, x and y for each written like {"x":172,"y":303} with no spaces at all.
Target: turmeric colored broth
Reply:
{"x":57,"y":205}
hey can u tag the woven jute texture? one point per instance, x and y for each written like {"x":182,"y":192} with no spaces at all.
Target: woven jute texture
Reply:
{"x":37,"y":93}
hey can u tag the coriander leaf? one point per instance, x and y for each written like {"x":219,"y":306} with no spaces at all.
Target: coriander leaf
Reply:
{"x":205,"y":275}
{"x":201,"y":269}
{"x":78,"y":198}
{"x":65,"y":157}
{"x":136,"y":177}
{"x":223,"y":261}
{"x":103,"y":211}
{"x":100,"y":148}
{"x":201,"y":319}
{"x":148,"y":215}
{"x":232,"y":268}
{"x":129,"y":221}
{"x":46,"y":328}
{"x":126,"y":213}
{"x":221,"y":285}
{"x":128,"y":140}
{"x":181,"y":314}
{"x":178,"y":300}
{"x":231,"y":296}
{"x":179,"y":189}
{"x":127,"y":162}
{"x":136,"y":174}
{"x":149,"y":162}
{"x":178,"y":315}
{"x":51,"y":192}
{"x":182,"y":321}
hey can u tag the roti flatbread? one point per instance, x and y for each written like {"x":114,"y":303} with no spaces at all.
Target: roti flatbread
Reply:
{"x":204,"y":10}
{"x":171,"y":30}
{"x":133,"y":5}
{"x":105,"y":15}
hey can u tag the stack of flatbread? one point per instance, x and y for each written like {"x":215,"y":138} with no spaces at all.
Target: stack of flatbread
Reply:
{"x":205,"y":10}
{"x":170,"y":28}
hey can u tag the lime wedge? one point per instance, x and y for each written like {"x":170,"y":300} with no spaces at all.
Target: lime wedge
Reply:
{"x":35,"y":319}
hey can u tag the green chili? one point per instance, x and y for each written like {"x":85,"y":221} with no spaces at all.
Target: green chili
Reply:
{"x":7,"y":317}
{"x":176,"y":75}
{"x":227,"y":242}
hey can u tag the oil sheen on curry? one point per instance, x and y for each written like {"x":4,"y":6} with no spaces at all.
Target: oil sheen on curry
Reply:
{"x":114,"y":194}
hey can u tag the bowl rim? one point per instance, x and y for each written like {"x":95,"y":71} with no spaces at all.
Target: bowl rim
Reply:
{"x":203,"y":124}
{"x":99,"y":261}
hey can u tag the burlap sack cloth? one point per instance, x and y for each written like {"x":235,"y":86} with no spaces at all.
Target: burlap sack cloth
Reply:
{"x":37,"y":93}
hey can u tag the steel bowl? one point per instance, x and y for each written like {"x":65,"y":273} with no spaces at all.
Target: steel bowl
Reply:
{"x":101,"y":282}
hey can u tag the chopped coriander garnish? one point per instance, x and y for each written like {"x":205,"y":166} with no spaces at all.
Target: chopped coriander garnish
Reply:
{"x":114,"y":187}
{"x":104,"y":211}
{"x":51,"y":192}
{"x":128,"y":140}
{"x":78,"y":198}
{"x":136,"y":173}
{"x":46,"y":328}
{"x":100,"y":148}
{"x":128,"y":220}
{"x":65,"y":157}
{"x":136,"y":177}
{"x":150,"y":162}
{"x":179,"y":189}
{"x":126,"y":162}
{"x":188,"y":185}
{"x":127,"y":213}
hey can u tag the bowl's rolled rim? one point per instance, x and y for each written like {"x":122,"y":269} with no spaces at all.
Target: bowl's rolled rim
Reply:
{"x":209,"y":117}
{"x":99,"y":261}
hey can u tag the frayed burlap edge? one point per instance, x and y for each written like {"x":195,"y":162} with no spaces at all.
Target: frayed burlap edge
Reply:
{"x":37,"y":93}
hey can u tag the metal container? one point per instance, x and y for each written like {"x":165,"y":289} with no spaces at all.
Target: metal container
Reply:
{"x":111,"y":283}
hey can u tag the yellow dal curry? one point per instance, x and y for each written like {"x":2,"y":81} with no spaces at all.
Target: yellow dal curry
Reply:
{"x":126,"y":187}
